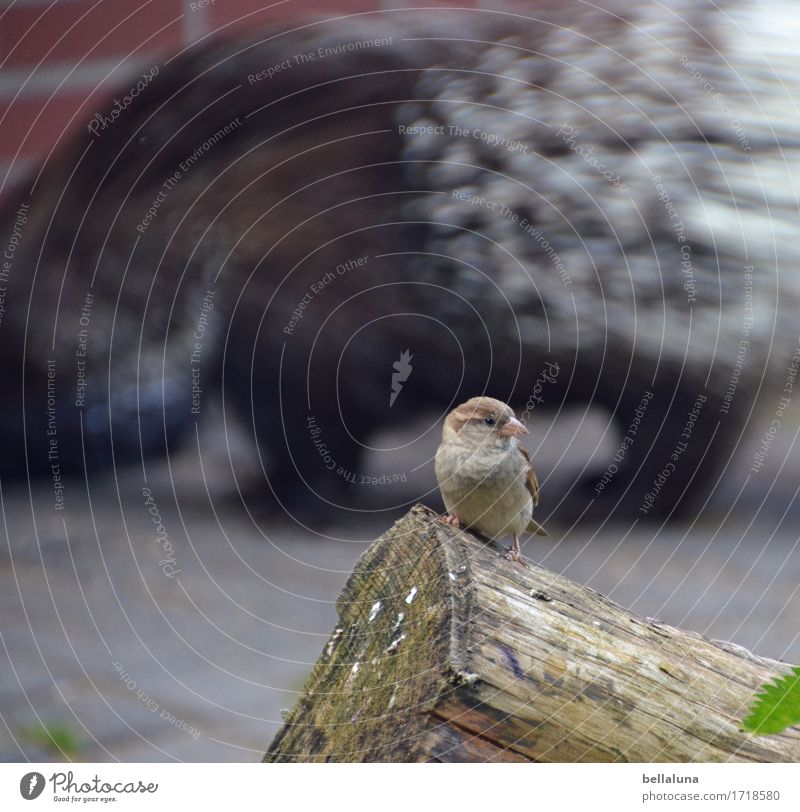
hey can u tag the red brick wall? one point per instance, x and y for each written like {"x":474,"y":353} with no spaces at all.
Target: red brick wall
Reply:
{"x":59,"y":59}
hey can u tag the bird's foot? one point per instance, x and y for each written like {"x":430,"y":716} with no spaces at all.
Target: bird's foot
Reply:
{"x":450,"y":519}
{"x":516,"y":557}
{"x":515,"y":554}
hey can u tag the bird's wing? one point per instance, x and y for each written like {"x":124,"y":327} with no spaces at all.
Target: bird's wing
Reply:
{"x":533,"y":482}
{"x":533,"y":487}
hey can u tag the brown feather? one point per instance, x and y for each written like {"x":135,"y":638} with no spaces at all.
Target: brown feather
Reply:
{"x":533,"y":481}
{"x":533,"y":486}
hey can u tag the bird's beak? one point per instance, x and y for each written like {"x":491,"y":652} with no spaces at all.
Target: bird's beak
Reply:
{"x":513,"y":428}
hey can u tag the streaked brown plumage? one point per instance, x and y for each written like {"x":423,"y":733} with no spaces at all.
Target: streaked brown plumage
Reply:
{"x":486,"y":478}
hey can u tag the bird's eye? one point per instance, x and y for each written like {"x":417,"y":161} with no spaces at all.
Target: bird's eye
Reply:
{"x":489,"y":421}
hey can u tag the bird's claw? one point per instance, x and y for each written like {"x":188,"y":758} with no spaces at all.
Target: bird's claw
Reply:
{"x":513,"y":555}
{"x":450,"y":520}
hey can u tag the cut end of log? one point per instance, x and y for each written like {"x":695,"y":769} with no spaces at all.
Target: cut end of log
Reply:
{"x":446,"y":651}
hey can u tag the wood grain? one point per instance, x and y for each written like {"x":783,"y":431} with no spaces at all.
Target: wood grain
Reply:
{"x":446,"y":651}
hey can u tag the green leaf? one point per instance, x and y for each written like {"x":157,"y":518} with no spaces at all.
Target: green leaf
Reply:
{"x":777,"y":706}
{"x":54,"y":737}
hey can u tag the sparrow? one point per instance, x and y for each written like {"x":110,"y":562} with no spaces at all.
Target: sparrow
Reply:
{"x":485,"y":476}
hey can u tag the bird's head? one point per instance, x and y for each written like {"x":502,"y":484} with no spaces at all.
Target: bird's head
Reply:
{"x":482,"y":420}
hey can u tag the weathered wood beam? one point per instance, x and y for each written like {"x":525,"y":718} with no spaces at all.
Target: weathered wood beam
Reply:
{"x":446,"y":651}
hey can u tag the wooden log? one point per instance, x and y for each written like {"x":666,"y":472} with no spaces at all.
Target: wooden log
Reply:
{"x":446,"y":651}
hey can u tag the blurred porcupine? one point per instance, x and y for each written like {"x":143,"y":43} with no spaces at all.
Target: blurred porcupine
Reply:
{"x":607,"y":191}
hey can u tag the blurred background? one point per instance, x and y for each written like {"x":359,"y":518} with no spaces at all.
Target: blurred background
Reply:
{"x":171,"y":622}
{"x":61,"y":60}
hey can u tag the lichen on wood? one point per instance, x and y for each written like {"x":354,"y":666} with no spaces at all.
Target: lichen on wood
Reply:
{"x":446,"y":651}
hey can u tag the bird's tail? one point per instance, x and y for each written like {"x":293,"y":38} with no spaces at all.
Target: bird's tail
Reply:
{"x":535,"y":528}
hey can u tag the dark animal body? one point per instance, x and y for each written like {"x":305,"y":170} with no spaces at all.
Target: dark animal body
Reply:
{"x":284,"y":217}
